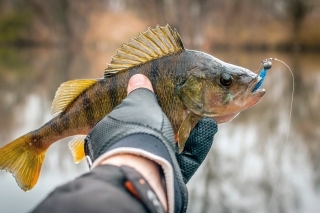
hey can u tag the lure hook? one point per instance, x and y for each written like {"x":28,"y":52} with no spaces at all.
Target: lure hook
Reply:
{"x":266,"y":64}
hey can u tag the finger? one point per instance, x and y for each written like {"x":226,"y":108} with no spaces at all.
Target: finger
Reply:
{"x":203,"y":134}
{"x":139,"y":81}
{"x":197,"y":147}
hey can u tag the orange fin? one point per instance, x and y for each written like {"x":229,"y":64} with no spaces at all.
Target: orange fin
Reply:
{"x":67,"y":92}
{"x":186,"y":127}
{"x":23,"y":160}
{"x":76,"y":147}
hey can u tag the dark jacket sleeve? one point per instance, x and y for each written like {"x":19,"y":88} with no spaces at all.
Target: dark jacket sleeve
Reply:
{"x":101,"y":190}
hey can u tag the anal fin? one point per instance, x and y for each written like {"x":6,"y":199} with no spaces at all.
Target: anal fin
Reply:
{"x":76,"y":147}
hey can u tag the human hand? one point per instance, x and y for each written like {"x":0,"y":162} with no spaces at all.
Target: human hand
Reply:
{"x":197,"y":147}
{"x":140,"y":115}
{"x":147,"y":168}
{"x":139,"y":127}
{"x":139,"y":110}
{"x":198,"y":143}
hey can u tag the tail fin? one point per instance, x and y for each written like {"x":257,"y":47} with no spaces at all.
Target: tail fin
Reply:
{"x":23,"y":160}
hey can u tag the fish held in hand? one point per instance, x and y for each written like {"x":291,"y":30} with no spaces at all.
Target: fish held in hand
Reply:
{"x":189,"y":85}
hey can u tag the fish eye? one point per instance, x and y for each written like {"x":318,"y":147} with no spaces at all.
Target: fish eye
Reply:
{"x":226,"y":79}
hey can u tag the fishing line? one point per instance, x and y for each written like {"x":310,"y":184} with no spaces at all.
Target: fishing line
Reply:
{"x":259,"y":67}
{"x":288,"y":130}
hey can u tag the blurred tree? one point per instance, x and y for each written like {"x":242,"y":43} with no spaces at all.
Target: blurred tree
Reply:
{"x":15,"y":17}
{"x":294,"y":12}
{"x":189,"y":17}
{"x":202,"y":24}
{"x":66,"y":18}
{"x":48,"y":22}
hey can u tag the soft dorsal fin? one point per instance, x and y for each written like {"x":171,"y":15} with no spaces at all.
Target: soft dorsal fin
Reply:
{"x":147,"y":46}
{"x":67,"y":92}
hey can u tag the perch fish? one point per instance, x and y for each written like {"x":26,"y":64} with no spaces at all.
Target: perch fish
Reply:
{"x":189,"y":85}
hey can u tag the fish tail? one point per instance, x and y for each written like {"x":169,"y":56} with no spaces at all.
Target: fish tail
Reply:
{"x":23,"y":159}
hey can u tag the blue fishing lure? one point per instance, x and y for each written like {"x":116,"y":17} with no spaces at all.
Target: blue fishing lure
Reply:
{"x":267,"y":64}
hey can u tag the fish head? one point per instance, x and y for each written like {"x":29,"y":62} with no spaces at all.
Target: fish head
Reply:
{"x":220,"y":90}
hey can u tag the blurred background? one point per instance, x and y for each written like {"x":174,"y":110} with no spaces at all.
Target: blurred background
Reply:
{"x":46,"y":42}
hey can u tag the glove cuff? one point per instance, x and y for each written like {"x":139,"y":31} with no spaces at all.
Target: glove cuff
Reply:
{"x":139,"y":113}
{"x":139,"y":140}
{"x":152,"y":148}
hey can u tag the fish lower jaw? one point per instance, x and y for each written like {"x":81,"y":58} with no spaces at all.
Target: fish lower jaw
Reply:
{"x":208,"y":114}
{"x":259,"y":91}
{"x":211,"y":114}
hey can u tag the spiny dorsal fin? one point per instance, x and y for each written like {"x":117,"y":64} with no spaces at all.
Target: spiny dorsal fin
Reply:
{"x":149,"y":45}
{"x":67,"y":92}
{"x":76,"y":147}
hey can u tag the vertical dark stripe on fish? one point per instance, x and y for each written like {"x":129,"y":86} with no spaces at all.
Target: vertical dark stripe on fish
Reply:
{"x":65,"y":122}
{"x":132,"y":71}
{"x":113,"y":94}
{"x":154,"y":75}
{"x":181,"y":68}
{"x":101,"y":104}
{"x":154,"y":70}
{"x":103,"y":87}
{"x":184,"y":63}
{"x":99,"y":88}
{"x":56,"y":127}
{"x":127,"y":76}
{"x":88,"y":109}
{"x":166,"y":67}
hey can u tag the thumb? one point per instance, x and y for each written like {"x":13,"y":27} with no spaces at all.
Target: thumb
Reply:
{"x":139,"y":81}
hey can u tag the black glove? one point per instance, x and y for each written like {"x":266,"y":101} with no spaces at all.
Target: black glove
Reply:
{"x":197,"y":147}
{"x":138,"y":123}
{"x":138,"y":126}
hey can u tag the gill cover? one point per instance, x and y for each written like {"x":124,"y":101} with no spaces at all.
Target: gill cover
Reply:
{"x":191,"y":93}
{"x":201,"y":94}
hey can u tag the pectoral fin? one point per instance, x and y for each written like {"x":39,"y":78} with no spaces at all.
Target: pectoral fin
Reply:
{"x":186,"y":127}
{"x":76,"y":147}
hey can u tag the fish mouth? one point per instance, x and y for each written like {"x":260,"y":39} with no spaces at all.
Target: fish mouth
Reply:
{"x":255,"y":87}
{"x":259,"y":91}
{"x":255,"y":94}
{"x":252,"y":94}
{"x":255,"y":97}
